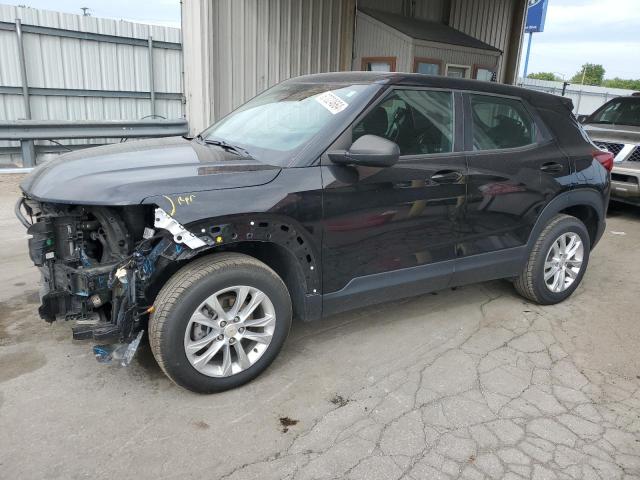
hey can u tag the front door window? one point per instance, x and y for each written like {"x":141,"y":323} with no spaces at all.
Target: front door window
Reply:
{"x":419,"y":121}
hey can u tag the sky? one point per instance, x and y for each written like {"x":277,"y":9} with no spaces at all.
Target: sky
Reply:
{"x":593,"y":31}
{"x":576,"y":31}
{"x":160,"y":12}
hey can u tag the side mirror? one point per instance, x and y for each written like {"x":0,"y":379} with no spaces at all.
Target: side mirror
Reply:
{"x":370,"y":151}
{"x":582,"y":118}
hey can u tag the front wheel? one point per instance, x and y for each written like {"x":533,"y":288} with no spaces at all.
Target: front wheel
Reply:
{"x":219,"y":322}
{"x":557,"y":261}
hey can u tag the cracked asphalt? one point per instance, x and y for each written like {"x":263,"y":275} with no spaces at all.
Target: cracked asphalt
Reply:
{"x":472,"y":383}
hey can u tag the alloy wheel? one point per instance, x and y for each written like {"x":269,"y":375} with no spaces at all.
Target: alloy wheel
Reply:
{"x":229,"y":331}
{"x":563,"y":262}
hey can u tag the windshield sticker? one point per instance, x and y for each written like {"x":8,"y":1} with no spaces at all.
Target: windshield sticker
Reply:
{"x":331,"y":102}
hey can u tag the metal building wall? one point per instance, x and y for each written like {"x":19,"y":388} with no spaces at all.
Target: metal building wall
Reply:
{"x":455,"y":55}
{"x":235,"y":49}
{"x":375,"y":39}
{"x":431,"y":10}
{"x":54,"y":62}
{"x":250,"y":45}
{"x":491,"y":21}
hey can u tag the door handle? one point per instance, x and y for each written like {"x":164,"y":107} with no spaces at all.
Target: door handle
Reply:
{"x":552,"y":167}
{"x":447,"y":176}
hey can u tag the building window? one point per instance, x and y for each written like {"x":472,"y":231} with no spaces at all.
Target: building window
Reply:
{"x":487,"y":74}
{"x":500,"y":123}
{"x":419,"y":121}
{"x":458,"y":71}
{"x":379,"y":64}
{"x":427,"y":66}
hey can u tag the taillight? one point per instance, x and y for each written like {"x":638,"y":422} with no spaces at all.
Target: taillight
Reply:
{"x":605,"y":159}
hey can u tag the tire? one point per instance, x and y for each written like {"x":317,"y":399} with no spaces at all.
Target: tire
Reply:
{"x":184,"y":301}
{"x":531,"y":283}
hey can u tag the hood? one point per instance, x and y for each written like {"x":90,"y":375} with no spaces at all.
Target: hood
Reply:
{"x":127,"y":173}
{"x":613,"y":133}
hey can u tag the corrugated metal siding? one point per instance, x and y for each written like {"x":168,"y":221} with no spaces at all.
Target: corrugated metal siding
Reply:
{"x":251,"y":45}
{"x":235,"y":49}
{"x":374,"y":39}
{"x":425,"y":9}
{"x":455,"y":56}
{"x":262,"y":42}
{"x":383,"y":5}
{"x":431,"y":10}
{"x":198,"y":40}
{"x":486,"y":20}
{"x":56,"y":62}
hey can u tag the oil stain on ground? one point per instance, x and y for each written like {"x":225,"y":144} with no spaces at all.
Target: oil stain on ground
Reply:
{"x":201,"y":425}
{"x":287,"y":422}
{"x":339,"y":401}
{"x":17,"y":364}
{"x":19,"y":323}
{"x":19,"y":318}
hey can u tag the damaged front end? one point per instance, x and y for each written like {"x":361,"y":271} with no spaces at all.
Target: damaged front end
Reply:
{"x":100,"y":265}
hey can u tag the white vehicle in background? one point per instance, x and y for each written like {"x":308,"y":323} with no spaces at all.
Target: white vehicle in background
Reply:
{"x":615,"y":127}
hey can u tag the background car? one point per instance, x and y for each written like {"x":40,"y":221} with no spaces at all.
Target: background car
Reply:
{"x":615,"y":127}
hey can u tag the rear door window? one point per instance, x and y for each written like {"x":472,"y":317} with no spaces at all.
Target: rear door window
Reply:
{"x":419,"y":121}
{"x":498,"y":122}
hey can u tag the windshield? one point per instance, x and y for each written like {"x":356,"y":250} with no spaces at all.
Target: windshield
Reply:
{"x":621,"y":111}
{"x":278,"y":123}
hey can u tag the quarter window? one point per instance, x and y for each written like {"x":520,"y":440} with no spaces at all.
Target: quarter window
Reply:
{"x":419,"y":121}
{"x":500,"y":123}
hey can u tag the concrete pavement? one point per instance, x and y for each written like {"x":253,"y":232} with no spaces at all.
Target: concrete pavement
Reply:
{"x":473,"y":383}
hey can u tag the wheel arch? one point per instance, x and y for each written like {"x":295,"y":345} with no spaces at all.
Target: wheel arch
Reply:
{"x":280,"y":243}
{"x":585,"y":204}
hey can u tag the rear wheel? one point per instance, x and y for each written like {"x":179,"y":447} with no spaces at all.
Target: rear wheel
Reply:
{"x":557,"y":261}
{"x":219,"y":322}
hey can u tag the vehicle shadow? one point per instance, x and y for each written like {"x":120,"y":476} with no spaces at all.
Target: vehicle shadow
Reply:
{"x":394,"y":313}
{"x":623,"y":210}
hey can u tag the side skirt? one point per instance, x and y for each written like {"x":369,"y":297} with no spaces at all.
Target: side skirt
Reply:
{"x":414,"y":281}
{"x":483,"y":267}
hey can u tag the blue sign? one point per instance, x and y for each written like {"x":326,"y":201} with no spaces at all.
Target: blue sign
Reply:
{"x":536,"y":13}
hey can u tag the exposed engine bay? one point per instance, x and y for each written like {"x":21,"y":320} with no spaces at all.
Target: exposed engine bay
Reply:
{"x":99,"y":264}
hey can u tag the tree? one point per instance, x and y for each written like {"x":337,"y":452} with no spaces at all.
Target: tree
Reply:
{"x":591,"y":74}
{"x":544,"y":76}
{"x":629,"y":84}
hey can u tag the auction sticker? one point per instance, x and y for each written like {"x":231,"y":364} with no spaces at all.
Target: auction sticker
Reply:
{"x":331,"y":102}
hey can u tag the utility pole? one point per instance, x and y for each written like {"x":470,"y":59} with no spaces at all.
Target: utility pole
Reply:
{"x":526,"y":60}
{"x":584,"y":72}
{"x":534,"y":22}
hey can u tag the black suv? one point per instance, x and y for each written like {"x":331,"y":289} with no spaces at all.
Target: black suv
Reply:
{"x":323,"y":194}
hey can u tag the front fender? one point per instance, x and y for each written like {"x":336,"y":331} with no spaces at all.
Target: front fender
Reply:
{"x":226,"y":232}
{"x":280,"y":242}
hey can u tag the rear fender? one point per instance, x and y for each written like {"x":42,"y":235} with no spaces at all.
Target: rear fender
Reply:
{"x":573,"y":198}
